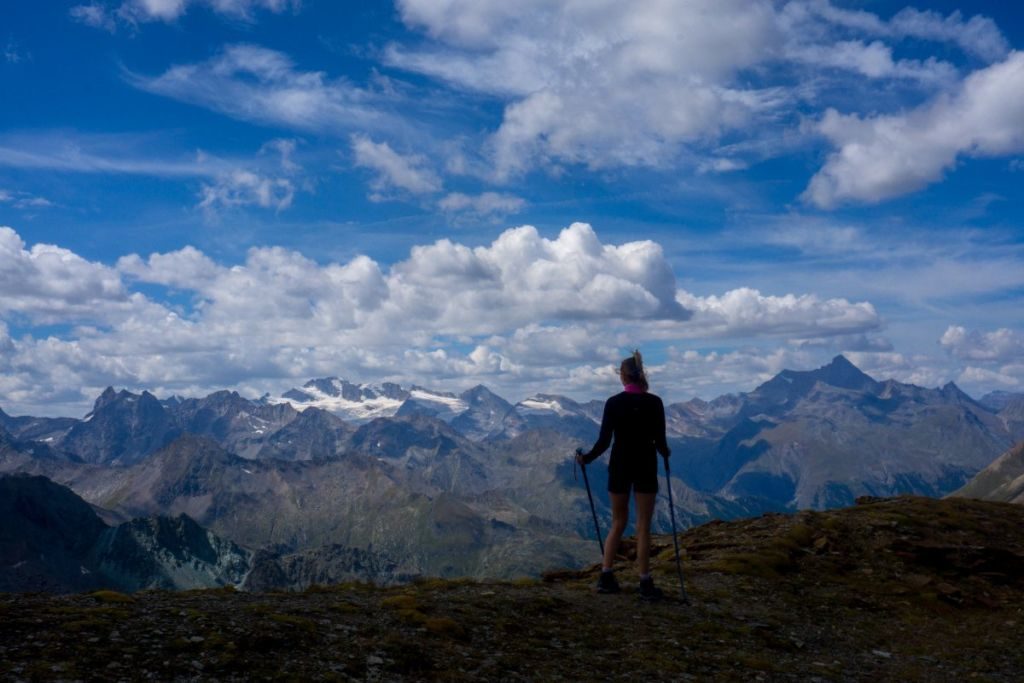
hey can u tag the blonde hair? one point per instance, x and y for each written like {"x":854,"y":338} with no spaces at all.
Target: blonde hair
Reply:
{"x":632,"y":370}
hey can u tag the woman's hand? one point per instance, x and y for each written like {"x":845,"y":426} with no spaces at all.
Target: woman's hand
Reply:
{"x":581,"y":457}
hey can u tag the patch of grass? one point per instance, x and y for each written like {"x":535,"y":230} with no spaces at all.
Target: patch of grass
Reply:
{"x":525,"y":582}
{"x":345,"y":607}
{"x":259,"y":608}
{"x":111,"y":596}
{"x":412,"y":616}
{"x":799,"y":536}
{"x":445,"y":626}
{"x":767,"y":565}
{"x":400,"y":602}
{"x":79,"y":625}
{"x":290,"y":620}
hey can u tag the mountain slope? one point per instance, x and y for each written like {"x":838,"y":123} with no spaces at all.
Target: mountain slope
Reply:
{"x":46,"y":533}
{"x":1001,"y":481}
{"x":819,"y":439}
{"x":52,"y":540}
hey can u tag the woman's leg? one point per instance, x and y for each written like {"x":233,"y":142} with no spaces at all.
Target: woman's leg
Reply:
{"x":620,"y":515}
{"x":644,"y":512}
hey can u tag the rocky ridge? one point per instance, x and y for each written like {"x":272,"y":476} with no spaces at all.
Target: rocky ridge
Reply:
{"x":474,"y":477}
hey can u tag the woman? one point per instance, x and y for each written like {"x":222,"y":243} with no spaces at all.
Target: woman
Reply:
{"x":636,"y":420}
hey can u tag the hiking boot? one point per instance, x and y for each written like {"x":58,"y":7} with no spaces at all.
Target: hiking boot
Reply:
{"x":650,"y":592}
{"x":607,"y":583}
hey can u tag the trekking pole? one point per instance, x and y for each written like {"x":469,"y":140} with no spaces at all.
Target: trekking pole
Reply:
{"x":675,"y":541}
{"x":593,"y":512}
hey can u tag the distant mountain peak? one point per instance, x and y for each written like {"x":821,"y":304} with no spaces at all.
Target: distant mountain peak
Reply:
{"x":844,"y":374}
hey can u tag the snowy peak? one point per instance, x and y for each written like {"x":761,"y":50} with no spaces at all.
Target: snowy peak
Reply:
{"x":550,"y":403}
{"x":355,"y":402}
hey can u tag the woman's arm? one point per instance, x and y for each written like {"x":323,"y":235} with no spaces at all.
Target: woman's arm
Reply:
{"x":604,"y":439}
{"x":660,"y":440}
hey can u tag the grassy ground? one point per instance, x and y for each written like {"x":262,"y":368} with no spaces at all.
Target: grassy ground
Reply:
{"x":902,"y":589}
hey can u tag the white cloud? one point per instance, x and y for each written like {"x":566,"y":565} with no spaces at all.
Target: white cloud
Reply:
{"x":610,"y":84}
{"x":106,"y":15}
{"x":521,"y":314}
{"x":187,"y":268}
{"x":245,"y":188}
{"x":47,"y":284}
{"x":394,"y":171}
{"x":483,"y":204}
{"x":1000,"y":346}
{"x":873,"y":60}
{"x":270,"y":180}
{"x":1010,"y":377}
{"x":256,"y":84}
{"x":886,"y":156}
{"x":978,"y":36}
{"x":745,"y":312}
{"x":24,"y":200}
{"x":58,"y":151}
{"x":605,"y":83}
{"x":96,"y":15}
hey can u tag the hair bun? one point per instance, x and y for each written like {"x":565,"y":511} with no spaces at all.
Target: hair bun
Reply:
{"x":638,"y":359}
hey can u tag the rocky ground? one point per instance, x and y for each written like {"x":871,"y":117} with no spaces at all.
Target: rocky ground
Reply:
{"x":898,"y":589}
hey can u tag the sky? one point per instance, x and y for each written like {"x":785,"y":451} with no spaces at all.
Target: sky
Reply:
{"x":247,"y":194}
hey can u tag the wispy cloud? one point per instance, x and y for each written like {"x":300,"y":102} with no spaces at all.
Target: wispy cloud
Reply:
{"x":483,"y":204}
{"x":107,"y":15}
{"x":270,"y":179}
{"x":394,"y":171}
{"x":260,"y":85}
{"x":13,"y":54}
{"x":75,"y":153}
{"x":978,"y":36}
{"x":24,"y":200}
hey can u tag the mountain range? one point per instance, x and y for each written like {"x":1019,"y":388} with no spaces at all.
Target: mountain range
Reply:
{"x":402,"y":482}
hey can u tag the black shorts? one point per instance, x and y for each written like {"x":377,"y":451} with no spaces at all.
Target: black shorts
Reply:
{"x":640,"y":475}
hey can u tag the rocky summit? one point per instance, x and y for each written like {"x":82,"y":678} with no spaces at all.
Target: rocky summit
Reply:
{"x":908,"y":589}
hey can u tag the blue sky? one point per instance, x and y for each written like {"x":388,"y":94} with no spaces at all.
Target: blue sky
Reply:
{"x":199,"y":194}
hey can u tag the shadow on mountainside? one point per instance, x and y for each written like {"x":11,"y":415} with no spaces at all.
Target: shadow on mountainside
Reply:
{"x":895,"y":589}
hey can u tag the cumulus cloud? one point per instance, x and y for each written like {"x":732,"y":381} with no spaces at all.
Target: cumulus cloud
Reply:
{"x":1000,"y":346}
{"x":604,"y":83}
{"x":47,"y":284}
{"x":747,"y":312}
{"x":643,"y":84}
{"x":394,"y":171}
{"x":885,"y":156}
{"x":263,"y":86}
{"x":187,"y":268}
{"x":522,"y":311}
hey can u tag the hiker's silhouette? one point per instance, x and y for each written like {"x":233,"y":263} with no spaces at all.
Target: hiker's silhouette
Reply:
{"x":633,"y":425}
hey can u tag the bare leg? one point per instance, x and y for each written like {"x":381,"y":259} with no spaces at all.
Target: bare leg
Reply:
{"x":620,"y":515}
{"x":644,"y":512}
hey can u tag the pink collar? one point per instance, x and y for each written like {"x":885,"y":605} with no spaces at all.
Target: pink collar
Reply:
{"x":634,"y":389}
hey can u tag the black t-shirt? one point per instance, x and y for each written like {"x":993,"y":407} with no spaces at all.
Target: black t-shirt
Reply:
{"x":637,"y":423}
